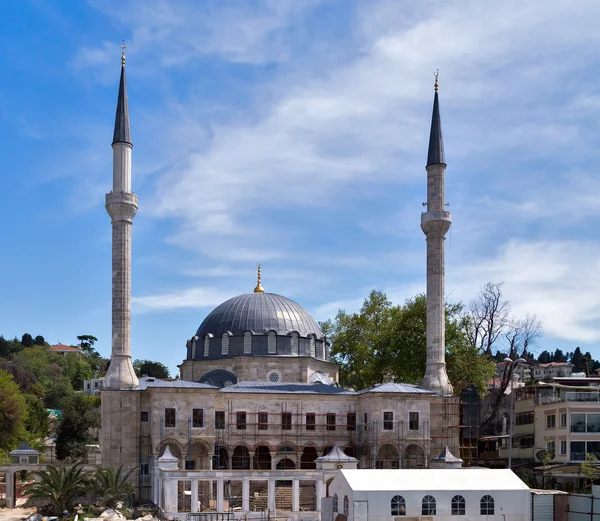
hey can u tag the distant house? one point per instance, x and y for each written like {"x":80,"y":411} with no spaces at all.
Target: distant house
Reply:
{"x":63,"y":350}
{"x":552,"y":369}
{"x":92,"y":387}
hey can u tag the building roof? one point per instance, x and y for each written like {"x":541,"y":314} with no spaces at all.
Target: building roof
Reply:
{"x":260,"y":313}
{"x":393,"y":387}
{"x":433,"y":479}
{"x":335,"y":454}
{"x":435,"y":154}
{"x":147,"y":382}
{"x":122,"y":133}
{"x":24,"y":450}
{"x":284,"y":388}
{"x":554,"y":364}
{"x":63,"y":347}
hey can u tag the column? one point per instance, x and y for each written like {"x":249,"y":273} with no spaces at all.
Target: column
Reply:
{"x":295,"y":495}
{"x":273,"y":463}
{"x":320,"y":493}
{"x":246,"y":495}
{"x":272,"y":495}
{"x":229,"y":460}
{"x":220,"y":498}
{"x":210,"y":460}
{"x":194,"y":495}
{"x":170,"y":487}
{"x":10,"y":489}
{"x":251,"y":455}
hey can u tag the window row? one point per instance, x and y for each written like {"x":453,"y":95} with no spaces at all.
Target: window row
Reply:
{"x":458,"y":506}
{"x":524,"y":418}
{"x":336,"y":505}
{"x":247,"y":350}
{"x":388,"y":421}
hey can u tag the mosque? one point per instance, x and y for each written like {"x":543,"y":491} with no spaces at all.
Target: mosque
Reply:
{"x":257,"y":420}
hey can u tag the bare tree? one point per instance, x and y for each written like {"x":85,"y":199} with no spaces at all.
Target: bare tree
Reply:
{"x":490,"y":327}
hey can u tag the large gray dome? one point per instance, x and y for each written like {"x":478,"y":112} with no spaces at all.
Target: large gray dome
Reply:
{"x":259,"y":313}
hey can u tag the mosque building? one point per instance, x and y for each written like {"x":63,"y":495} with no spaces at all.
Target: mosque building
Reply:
{"x":257,"y":415}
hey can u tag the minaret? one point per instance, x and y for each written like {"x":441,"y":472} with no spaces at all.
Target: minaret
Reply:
{"x":435,"y":222}
{"x":121,"y":205}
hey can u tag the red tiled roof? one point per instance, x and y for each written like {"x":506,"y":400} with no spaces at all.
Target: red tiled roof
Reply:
{"x":554,"y":364}
{"x":62,"y":347}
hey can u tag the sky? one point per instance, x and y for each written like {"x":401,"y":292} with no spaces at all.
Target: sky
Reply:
{"x":294,"y":133}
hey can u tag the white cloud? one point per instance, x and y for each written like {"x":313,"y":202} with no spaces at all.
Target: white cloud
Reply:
{"x":199,"y":297}
{"x":557,"y":280}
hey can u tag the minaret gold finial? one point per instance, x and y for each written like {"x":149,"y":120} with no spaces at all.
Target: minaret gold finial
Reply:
{"x":258,"y":288}
{"x":123,"y":47}
{"x":436,"y":74}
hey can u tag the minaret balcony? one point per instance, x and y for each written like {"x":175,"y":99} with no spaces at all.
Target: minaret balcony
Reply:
{"x":436,"y":222}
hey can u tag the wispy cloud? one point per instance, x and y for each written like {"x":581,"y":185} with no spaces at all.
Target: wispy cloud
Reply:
{"x":199,"y":297}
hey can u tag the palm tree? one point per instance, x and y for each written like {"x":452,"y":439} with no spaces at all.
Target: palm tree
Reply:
{"x":60,"y":486}
{"x":112,"y":485}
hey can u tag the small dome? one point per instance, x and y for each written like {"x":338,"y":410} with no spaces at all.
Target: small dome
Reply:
{"x":259,"y":312}
{"x":218,"y":378}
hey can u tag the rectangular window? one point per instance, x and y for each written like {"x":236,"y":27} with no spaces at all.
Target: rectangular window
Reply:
{"x":197,"y":418}
{"x":190,"y":465}
{"x":219,"y":419}
{"x":388,"y":421}
{"x":551,"y":421}
{"x":144,"y":468}
{"x":563,"y":420}
{"x":170,"y":418}
{"x":524,"y":418}
{"x":551,"y":445}
{"x":310,"y":421}
{"x":263,"y":421}
{"x":351,"y":421}
{"x":526,"y":442}
{"x":366,"y":418}
{"x":240,"y":421}
{"x":330,"y":421}
{"x":286,"y":421}
{"x":577,"y":450}
{"x":563,"y":447}
{"x":144,"y":416}
{"x":593,"y":423}
{"x":413,"y":421}
{"x":577,"y":423}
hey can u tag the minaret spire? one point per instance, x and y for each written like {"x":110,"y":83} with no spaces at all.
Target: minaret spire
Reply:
{"x":121,"y":205}
{"x":122,"y":133}
{"x":435,"y":223}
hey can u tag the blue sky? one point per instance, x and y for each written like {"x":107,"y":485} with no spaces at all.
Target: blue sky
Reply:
{"x":294,"y":133}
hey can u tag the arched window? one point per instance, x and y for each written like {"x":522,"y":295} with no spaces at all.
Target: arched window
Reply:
{"x":313,"y":347}
{"x":458,"y":506}
{"x":295,"y":344}
{"x":398,"y":506}
{"x":247,"y":343}
{"x":487,"y":506}
{"x":225,"y":344}
{"x":206,"y":344}
{"x":428,"y":506}
{"x":346,"y":507}
{"x":335,"y":503}
{"x":194,"y":347}
{"x":272,"y":343}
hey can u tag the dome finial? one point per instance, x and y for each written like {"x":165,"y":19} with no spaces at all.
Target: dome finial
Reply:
{"x":258,"y":288}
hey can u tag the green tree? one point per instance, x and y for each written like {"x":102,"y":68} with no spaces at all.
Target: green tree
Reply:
{"x":59,"y":486}
{"x":5,"y":350}
{"x":87,"y":342}
{"x":385,"y":342}
{"x":27,"y":340}
{"x":150,"y":368}
{"x":112,"y":485}
{"x":13,"y":413}
{"x":37,"y":418}
{"x":577,"y":360}
{"x":73,"y":433}
{"x":39,"y":340}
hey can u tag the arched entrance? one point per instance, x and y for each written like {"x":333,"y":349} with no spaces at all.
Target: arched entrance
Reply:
{"x":307,"y":460}
{"x":286,"y":464}
{"x":197,"y":456}
{"x":387,"y":457}
{"x":414,"y":457}
{"x":240,"y":460}
{"x":262,"y":458}
{"x":220,"y":459}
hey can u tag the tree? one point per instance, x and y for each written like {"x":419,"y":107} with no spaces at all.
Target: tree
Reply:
{"x":59,"y":486}
{"x":577,"y":360}
{"x":5,"y":350}
{"x":87,"y":342}
{"x":13,"y":413}
{"x":384,"y":342}
{"x":27,"y":340}
{"x":544,"y":357}
{"x":39,"y":340}
{"x":37,"y":418}
{"x":73,"y":431}
{"x":149,"y":368}
{"x":112,"y":485}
